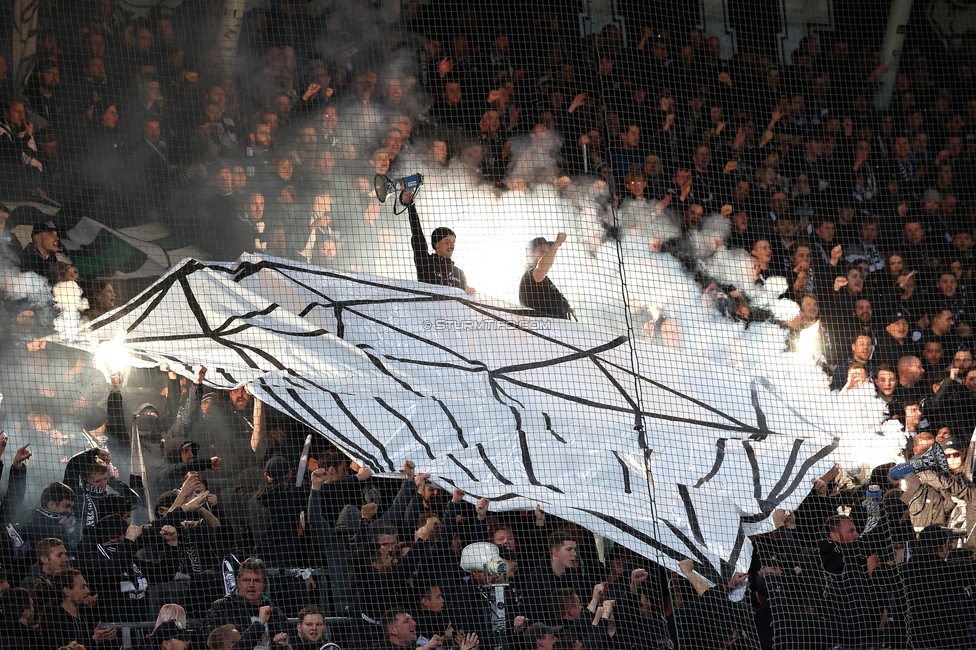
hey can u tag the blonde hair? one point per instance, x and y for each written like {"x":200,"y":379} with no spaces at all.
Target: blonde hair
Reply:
{"x":171,"y":612}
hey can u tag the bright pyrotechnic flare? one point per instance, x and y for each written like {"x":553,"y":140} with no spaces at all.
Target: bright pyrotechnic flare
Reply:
{"x":654,"y":312}
{"x":808,"y":343}
{"x":112,"y":357}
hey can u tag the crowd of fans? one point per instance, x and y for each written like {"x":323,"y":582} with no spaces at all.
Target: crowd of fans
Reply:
{"x":238,"y":555}
{"x":866,"y":214}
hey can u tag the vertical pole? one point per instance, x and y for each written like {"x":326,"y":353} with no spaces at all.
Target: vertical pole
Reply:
{"x":230,"y":32}
{"x":891,"y":52}
{"x":24,"y":39}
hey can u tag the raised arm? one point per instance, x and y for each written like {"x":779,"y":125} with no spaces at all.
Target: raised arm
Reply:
{"x":395,"y":514}
{"x":545,"y":263}
{"x":418,"y":242}
{"x":190,"y":412}
{"x":322,"y":530}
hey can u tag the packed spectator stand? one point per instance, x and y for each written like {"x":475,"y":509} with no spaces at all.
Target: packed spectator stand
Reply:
{"x":211,"y":539}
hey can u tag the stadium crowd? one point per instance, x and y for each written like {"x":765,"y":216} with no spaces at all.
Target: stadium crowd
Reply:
{"x":866,"y":214}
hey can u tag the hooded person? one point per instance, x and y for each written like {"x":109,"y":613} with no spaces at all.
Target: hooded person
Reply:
{"x":149,"y":421}
{"x":189,"y":462}
{"x":88,"y":474}
{"x":107,"y":555}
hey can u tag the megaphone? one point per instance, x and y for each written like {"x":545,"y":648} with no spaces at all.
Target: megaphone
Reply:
{"x":384,"y":185}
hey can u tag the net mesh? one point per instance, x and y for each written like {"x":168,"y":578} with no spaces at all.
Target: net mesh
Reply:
{"x":705,"y":380}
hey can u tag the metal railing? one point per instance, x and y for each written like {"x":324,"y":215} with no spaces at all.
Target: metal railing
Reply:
{"x":126,"y":628}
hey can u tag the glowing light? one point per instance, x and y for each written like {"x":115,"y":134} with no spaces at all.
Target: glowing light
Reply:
{"x":808,"y":343}
{"x":654,"y":312}
{"x":112,"y":356}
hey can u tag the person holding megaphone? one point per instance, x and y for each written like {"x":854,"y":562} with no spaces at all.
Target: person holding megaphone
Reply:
{"x":436,"y":268}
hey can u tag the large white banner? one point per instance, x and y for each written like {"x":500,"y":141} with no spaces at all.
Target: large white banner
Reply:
{"x":665,"y":452}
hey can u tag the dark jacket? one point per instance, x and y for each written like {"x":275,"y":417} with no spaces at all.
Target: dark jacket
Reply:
{"x":282,"y":506}
{"x":16,"y":635}
{"x":543,"y":297}
{"x":118,"y":577}
{"x":853,"y":598}
{"x":59,"y":628}
{"x":939,"y":604}
{"x":379,"y":591}
{"x":16,"y":487}
{"x":173,"y":477}
{"x":432,"y":268}
{"x":43,"y":524}
{"x":32,"y":260}
{"x":233,"y":609}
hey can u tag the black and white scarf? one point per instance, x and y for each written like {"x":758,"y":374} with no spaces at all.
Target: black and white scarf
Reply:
{"x":132,"y":582}
{"x":91,"y":495}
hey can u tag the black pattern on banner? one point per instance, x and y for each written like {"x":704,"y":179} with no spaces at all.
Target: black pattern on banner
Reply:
{"x":378,"y":363}
{"x":491,"y":466}
{"x":676,"y":393}
{"x":691,"y":512}
{"x":615,"y":374}
{"x":251,"y":314}
{"x":340,"y":440}
{"x":788,"y":469}
{"x":692,"y":551}
{"x":548,"y":363}
{"x":769,"y":504}
{"x":432,"y":364}
{"x":620,"y":409}
{"x":194,"y":305}
{"x":728,"y":566}
{"x":498,"y":390}
{"x":155,"y":294}
{"x":624,"y":470}
{"x":762,"y":381}
{"x":267,"y":356}
{"x":760,"y":416}
{"x":408,"y":424}
{"x":149,"y":309}
{"x":505,"y":497}
{"x":340,"y":324}
{"x":453,"y":421}
{"x":526,"y":455}
{"x":756,"y":474}
{"x":352,"y":419}
{"x":719,"y":457}
{"x":548,"y":420}
{"x":312,"y":305}
{"x":464,"y":468}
